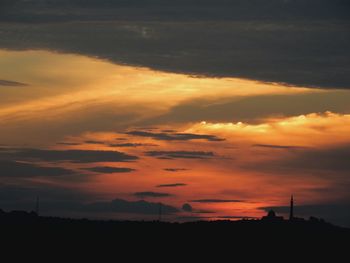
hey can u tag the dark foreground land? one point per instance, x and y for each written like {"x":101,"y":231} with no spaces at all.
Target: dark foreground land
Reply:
{"x":30,"y":230}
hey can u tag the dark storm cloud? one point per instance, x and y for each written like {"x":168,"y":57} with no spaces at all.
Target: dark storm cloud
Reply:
{"x":170,"y":10}
{"x":104,"y":169}
{"x":216,"y":201}
{"x":134,"y":207}
{"x":12,"y":169}
{"x":10,"y":83}
{"x":175,"y":136}
{"x":335,"y":213}
{"x":79,"y":156}
{"x":256,"y":107}
{"x":181,"y":154}
{"x":151,"y":194}
{"x":171,"y":185}
{"x":175,"y":169}
{"x":297,"y":42}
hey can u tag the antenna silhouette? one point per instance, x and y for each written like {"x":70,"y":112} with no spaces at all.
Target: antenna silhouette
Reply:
{"x":160,"y":212}
{"x":37,"y":205}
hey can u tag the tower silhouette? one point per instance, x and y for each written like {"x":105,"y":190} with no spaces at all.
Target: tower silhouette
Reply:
{"x":291,"y":212}
{"x":160,"y":212}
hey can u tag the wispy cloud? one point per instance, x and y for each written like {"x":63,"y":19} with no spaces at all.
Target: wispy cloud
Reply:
{"x":171,"y":185}
{"x":10,"y":83}
{"x":273,"y":146}
{"x":132,"y":145}
{"x":175,"y":169}
{"x":94,"y":142}
{"x":104,"y":169}
{"x":181,"y":154}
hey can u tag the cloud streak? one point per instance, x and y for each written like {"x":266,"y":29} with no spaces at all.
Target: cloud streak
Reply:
{"x":132,"y":145}
{"x":171,"y":185}
{"x":10,"y":83}
{"x":108,"y":170}
{"x":181,"y":154}
{"x":175,"y":136}
{"x":79,"y":156}
{"x":174,"y":170}
{"x":272,"y":146}
{"x":151,"y":194}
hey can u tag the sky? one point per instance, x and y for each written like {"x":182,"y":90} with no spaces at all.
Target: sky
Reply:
{"x":202,"y":109}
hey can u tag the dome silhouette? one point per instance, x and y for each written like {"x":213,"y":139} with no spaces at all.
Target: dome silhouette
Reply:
{"x":271,"y":213}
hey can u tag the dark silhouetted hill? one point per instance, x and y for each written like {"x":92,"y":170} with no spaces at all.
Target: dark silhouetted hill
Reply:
{"x":28,"y":229}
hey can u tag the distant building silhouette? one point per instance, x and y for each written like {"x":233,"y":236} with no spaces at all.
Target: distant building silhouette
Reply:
{"x":272,"y":217}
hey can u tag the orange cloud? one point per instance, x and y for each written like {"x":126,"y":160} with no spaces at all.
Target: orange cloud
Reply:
{"x":315,"y":129}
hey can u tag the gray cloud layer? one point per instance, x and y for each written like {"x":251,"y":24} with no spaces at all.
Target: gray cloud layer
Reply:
{"x":12,"y":169}
{"x":334,"y":159}
{"x":169,"y":10}
{"x":296,"y":42}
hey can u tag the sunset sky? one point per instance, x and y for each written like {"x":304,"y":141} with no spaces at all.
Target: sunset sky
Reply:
{"x":215,"y":109}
